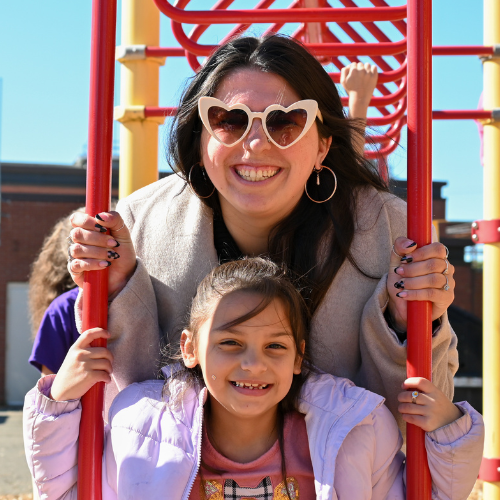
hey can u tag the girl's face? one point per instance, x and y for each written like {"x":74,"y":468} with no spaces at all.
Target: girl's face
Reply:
{"x":248,"y":369}
{"x":273,"y":196}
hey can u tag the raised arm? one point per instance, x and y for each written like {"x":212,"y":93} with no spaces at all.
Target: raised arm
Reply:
{"x":359,"y":80}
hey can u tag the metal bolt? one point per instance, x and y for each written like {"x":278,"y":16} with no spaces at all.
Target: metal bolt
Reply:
{"x":475,"y":225}
{"x":475,"y":237}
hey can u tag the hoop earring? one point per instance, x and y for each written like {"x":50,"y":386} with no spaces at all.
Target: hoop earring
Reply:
{"x":204,"y":177}
{"x":318,"y":183}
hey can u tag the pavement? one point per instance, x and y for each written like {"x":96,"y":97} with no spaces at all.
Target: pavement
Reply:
{"x":15,"y":478}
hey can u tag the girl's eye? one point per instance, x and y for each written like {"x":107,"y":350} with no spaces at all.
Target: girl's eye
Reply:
{"x":229,"y":342}
{"x":276,"y":346}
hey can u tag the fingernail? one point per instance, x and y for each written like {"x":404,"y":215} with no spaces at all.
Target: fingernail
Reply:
{"x":104,"y":263}
{"x":99,"y":217}
{"x":407,"y":259}
{"x":117,"y":245}
{"x":400,"y":269}
{"x":401,"y":294}
{"x":112,"y":255}
{"x":113,"y":243}
{"x":399,"y":284}
{"x":101,"y":228}
{"x":411,"y":244}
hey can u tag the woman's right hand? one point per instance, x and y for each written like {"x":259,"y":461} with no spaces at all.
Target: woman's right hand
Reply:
{"x":82,"y":367}
{"x":94,"y":250}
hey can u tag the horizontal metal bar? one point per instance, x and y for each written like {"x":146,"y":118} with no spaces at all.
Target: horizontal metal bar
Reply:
{"x":220,"y":16}
{"x":153,"y":111}
{"x":464,"y":50}
{"x":468,"y":382}
{"x":165,"y":52}
{"x":469,"y":114}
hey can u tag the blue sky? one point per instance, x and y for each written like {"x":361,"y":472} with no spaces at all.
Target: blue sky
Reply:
{"x":44,"y":65}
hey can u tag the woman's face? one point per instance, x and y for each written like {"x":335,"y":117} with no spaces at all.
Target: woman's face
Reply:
{"x":275,"y":191}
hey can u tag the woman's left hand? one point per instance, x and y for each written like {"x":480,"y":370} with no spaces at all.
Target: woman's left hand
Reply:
{"x":417,"y":274}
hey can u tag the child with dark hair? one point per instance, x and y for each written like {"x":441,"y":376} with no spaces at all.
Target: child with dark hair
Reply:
{"x":245,"y":415}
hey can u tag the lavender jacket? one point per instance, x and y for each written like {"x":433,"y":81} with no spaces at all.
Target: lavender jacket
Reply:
{"x":152,"y":450}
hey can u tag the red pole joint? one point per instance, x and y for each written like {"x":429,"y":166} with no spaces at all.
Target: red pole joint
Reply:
{"x":419,"y":360}
{"x":95,"y":288}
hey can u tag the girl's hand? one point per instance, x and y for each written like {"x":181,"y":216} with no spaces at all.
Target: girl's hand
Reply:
{"x":83,"y":366}
{"x":418,"y":275}
{"x":359,"y":80}
{"x":94,"y":250}
{"x":431,"y":409}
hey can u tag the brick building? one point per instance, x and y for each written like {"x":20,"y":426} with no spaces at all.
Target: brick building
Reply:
{"x":35,"y":196}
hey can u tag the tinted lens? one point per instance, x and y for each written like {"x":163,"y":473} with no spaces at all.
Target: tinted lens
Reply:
{"x":283,"y":127}
{"x":228,"y":126}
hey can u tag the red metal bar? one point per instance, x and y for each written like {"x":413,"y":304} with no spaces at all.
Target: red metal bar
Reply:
{"x":399,"y":25}
{"x":388,"y":119}
{"x":468,"y":114}
{"x":317,"y":49}
{"x":419,"y":359}
{"x":150,"y":111}
{"x":165,"y":52}
{"x":95,"y":288}
{"x":383,"y":152}
{"x":280,"y":15}
{"x":472,"y":50}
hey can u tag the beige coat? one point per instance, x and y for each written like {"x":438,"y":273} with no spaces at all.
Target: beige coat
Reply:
{"x":173,"y":236}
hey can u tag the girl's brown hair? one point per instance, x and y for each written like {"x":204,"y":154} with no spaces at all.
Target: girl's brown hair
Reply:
{"x":49,"y":276}
{"x":311,"y":229}
{"x":270,"y":282}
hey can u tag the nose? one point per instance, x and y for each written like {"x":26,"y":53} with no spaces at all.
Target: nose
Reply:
{"x":256,"y":139}
{"x":252,"y":362}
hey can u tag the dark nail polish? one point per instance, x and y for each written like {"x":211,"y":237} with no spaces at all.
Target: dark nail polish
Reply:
{"x":112,"y":255}
{"x":396,"y":269}
{"x":399,"y":284}
{"x":99,"y":217}
{"x":117,"y":255}
{"x":412,"y":244}
{"x":406,"y":259}
{"x":109,"y":263}
{"x":117,"y":245}
{"x":397,"y":295}
{"x":102,"y":229}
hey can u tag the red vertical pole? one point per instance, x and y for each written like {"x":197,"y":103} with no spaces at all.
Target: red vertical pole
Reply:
{"x":95,"y":288}
{"x":419,"y":362}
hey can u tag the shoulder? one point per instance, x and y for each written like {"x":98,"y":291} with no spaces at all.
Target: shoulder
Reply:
{"x":142,"y":407}
{"x":65,"y":300}
{"x":168,"y":187}
{"x":371,"y":202}
{"x":337,"y":395}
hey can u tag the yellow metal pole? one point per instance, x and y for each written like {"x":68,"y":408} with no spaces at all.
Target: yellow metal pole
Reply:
{"x":139,"y":83}
{"x":491,"y":265}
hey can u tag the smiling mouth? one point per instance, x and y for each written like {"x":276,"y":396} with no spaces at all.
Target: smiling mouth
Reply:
{"x":246,"y":385}
{"x":256,"y":175}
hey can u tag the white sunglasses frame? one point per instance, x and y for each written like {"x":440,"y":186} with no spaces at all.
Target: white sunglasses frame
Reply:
{"x":310,"y":105}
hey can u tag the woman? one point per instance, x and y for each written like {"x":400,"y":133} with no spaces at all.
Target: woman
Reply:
{"x":263,"y":142}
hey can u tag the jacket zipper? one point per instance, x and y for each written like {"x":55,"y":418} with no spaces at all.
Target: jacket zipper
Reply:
{"x":198,"y":463}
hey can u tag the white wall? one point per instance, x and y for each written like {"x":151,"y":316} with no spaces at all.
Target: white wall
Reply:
{"x":20,"y":375}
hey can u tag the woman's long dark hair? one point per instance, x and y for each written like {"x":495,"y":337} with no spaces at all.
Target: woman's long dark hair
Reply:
{"x":312,"y":231}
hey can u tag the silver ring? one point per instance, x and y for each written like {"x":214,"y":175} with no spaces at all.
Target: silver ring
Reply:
{"x":446,"y":287}
{"x":400,"y":256}
{"x":414,"y":396}
{"x":445,"y":272}
{"x":447,"y":252}
{"x":70,"y":257}
{"x":116,"y":230}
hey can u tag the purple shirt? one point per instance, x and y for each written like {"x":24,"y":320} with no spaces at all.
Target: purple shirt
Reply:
{"x":57,"y":332}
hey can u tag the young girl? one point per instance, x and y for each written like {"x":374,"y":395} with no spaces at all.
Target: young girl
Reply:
{"x":245,"y":416}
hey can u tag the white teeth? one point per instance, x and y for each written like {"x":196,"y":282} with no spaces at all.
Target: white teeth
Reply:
{"x":246,"y":385}
{"x":256,"y":176}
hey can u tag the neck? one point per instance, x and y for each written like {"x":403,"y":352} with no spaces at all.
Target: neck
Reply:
{"x":250,"y":232}
{"x":241,"y":440}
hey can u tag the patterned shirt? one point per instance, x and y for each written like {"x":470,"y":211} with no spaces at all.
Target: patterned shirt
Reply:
{"x":262,"y":478}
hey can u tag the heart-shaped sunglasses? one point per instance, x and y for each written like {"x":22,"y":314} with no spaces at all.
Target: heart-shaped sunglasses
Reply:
{"x":282,"y":126}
